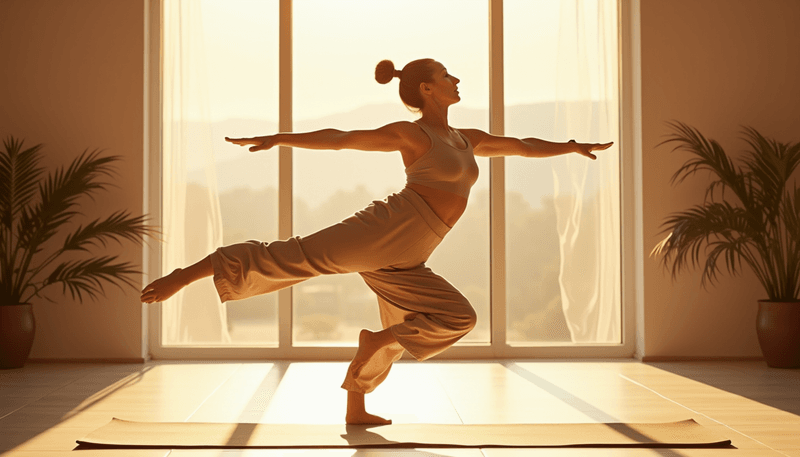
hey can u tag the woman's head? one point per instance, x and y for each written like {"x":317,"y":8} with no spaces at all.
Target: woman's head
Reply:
{"x":413,"y":74}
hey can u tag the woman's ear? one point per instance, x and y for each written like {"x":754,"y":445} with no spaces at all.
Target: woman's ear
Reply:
{"x":424,"y":88}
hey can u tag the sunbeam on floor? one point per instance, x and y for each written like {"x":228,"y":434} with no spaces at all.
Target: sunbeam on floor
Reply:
{"x":45,"y":408}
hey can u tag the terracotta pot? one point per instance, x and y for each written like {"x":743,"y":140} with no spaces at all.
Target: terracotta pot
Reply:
{"x":778,"y":328}
{"x":17,"y":328}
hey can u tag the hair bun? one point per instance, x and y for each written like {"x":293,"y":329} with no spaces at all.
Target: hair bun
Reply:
{"x":384,"y":71}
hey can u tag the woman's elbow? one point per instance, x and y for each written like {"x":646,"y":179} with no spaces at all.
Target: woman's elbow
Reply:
{"x":337,"y":139}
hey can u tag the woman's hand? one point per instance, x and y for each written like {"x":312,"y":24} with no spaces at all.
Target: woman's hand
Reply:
{"x":260,"y":143}
{"x":585,"y":149}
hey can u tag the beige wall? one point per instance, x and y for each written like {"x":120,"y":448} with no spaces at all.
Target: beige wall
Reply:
{"x":717,"y":65}
{"x":72,"y":78}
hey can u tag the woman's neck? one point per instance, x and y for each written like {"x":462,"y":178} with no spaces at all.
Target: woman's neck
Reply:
{"x":436,"y":118}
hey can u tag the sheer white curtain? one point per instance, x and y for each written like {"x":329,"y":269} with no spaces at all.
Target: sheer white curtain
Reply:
{"x":586,"y":192}
{"x":192,"y":222}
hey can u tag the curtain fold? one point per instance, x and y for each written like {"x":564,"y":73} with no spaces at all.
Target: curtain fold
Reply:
{"x":586,"y":192}
{"x":191,"y":211}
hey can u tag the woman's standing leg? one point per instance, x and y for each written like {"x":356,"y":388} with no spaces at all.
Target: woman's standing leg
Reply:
{"x":377,"y":351}
{"x":421,"y":312}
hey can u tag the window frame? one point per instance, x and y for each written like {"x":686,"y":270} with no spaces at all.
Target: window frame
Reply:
{"x":497,"y":348}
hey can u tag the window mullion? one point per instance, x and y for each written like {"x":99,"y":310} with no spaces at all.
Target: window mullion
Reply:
{"x":285,"y":164}
{"x":497,"y":229}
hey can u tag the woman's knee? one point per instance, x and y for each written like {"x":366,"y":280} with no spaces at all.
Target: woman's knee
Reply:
{"x":465,"y":318}
{"x":471,"y":317}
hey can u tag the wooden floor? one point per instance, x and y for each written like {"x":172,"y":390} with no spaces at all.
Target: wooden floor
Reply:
{"x":44,"y":408}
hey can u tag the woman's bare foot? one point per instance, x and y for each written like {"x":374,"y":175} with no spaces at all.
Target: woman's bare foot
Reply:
{"x":357,"y":414}
{"x":163,"y":288}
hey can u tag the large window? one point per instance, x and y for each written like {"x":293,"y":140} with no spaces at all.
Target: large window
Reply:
{"x":335,"y":48}
{"x":222,"y":76}
{"x":562,"y":214}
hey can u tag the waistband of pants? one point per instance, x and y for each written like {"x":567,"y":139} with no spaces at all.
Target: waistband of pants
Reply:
{"x":434,"y":222}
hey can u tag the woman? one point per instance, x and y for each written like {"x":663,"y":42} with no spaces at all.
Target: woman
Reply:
{"x":388,"y":242}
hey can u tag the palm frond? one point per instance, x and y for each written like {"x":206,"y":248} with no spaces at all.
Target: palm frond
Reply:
{"x":117,"y":227}
{"x":58,"y":198}
{"x":779,"y":159}
{"x":19,"y":176}
{"x":29,"y":220}
{"x":732,"y":250}
{"x":770,"y":165}
{"x":792,"y":159}
{"x":708,"y":155}
{"x":59,"y":194}
{"x":790,"y":213}
{"x":81,"y":277}
{"x":691,"y":230}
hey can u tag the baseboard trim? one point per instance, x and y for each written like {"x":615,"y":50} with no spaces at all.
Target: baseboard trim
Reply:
{"x":645,"y":359}
{"x":92,"y":360}
{"x":668,"y":358}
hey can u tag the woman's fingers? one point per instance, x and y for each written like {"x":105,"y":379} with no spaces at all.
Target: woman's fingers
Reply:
{"x":258,"y":143}
{"x":148,"y":293}
{"x":260,"y":147}
{"x":595,"y":147}
{"x":586,"y":150}
{"x":243,"y":141}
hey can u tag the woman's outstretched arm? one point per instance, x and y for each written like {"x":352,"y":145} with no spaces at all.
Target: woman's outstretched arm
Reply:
{"x":163,"y":288}
{"x":391,"y":137}
{"x":487,"y":145}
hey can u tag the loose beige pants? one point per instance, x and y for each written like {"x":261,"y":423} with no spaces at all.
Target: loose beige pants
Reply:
{"x":387,"y":243}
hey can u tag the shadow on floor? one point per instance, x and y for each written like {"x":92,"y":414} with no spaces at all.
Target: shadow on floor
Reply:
{"x":81,"y":387}
{"x":775,"y":387}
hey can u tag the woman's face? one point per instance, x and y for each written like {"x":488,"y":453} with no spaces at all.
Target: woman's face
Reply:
{"x":444,"y":87}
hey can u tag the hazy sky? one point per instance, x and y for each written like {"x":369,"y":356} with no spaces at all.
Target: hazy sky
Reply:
{"x":337,"y":44}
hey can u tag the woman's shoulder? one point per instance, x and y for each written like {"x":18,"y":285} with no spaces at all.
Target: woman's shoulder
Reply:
{"x":416,"y":142}
{"x":403,"y":127}
{"x":410,"y":131}
{"x":475,"y":136}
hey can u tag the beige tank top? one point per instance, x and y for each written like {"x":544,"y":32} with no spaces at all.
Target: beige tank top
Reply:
{"x":444,"y":167}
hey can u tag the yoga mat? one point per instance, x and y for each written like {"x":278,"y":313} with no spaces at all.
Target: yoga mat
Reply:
{"x":122,"y":433}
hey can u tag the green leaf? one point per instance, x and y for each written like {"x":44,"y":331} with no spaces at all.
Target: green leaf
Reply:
{"x":708,"y":155}
{"x":703,"y":225}
{"x":59,"y":194}
{"x":88,"y":276}
{"x":731,"y":250}
{"x":19,"y":175}
{"x":117,"y":227}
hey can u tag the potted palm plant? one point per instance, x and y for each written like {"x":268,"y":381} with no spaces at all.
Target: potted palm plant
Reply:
{"x":35,"y":209}
{"x":750,"y":216}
